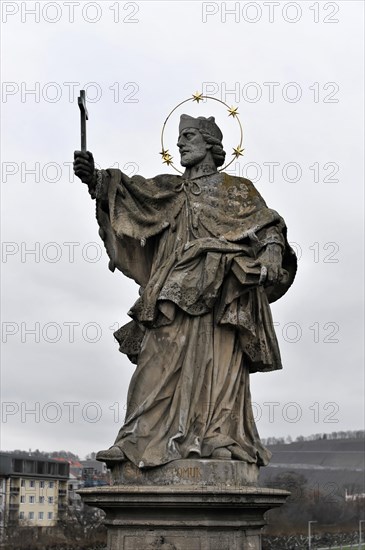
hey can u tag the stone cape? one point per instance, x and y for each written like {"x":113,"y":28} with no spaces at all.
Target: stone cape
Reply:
{"x":202,"y":321}
{"x":237,"y":225}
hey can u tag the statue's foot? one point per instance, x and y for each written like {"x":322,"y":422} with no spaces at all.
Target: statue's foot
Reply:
{"x":222,"y":453}
{"x":114,"y":454}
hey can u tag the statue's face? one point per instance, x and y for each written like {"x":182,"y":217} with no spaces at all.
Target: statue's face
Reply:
{"x":193,"y":148}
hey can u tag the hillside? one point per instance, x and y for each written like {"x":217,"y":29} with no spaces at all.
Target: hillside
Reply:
{"x":337,"y":461}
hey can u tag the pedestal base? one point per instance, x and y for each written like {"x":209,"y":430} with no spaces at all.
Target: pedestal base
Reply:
{"x":198,"y":472}
{"x":180,"y":513}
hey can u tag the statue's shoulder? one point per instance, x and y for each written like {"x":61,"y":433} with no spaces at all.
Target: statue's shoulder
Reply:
{"x":162,"y":181}
{"x":237,"y":181}
{"x":167,"y":179}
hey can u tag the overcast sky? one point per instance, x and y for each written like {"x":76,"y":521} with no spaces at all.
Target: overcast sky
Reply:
{"x":295,"y":71}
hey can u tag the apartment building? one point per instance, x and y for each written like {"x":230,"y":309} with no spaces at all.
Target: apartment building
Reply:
{"x":33,"y":489}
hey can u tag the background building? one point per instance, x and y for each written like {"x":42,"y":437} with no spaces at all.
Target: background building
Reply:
{"x":33,"y":489}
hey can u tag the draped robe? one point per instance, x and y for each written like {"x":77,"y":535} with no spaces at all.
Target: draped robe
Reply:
{"x":202,"y":322}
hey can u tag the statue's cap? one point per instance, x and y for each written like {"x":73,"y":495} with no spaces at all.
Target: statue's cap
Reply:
{"x":201,"y":123}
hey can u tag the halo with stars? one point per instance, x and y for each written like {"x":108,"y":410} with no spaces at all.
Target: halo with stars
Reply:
{"x":232,"y":111}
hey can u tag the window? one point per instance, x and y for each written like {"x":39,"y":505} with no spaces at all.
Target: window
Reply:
{"x":50,"y":515}
{"x":40,"y":515}
{"x":32,"y":483}
{"x":22,"y":483}
{"x":41,"y":467}
{"x":51,"y":468}
{"x":50,"y":500}
{"x":31,"y":515}
{"x":21,"y":515}
{"x":32,"y":499}
{"x":29,"y":467}
{"x":22,"y":499}
{"x":18,"y":465}
{"x":41,"y":484}
{"x":41,"y":500}
{"x":51,"y":484}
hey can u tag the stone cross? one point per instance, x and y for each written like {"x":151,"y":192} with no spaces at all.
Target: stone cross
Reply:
{"x":81,"y":100}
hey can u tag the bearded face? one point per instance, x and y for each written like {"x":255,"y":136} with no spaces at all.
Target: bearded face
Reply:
{"x":193,"y":148}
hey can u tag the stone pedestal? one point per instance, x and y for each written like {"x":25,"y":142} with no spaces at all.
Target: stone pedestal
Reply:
{"x":196,"y":472}
{"x":185,"y":505}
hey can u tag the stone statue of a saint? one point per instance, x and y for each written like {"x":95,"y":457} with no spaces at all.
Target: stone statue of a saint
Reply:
{"x":209,"y":257}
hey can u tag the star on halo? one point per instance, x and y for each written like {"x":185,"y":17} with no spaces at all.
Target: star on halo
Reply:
{"x":197,"y":97}
{"x":238,"y":151}
{"x":233,"y":111}
{"x":167,"y":158}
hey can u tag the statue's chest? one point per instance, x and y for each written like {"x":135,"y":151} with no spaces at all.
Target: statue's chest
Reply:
{"x":204,"y":196}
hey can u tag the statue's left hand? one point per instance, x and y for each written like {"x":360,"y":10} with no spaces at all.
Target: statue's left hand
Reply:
{"x":270,"y":259}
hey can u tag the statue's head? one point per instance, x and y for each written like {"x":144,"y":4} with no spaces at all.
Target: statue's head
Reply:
{"x":197,"y":138}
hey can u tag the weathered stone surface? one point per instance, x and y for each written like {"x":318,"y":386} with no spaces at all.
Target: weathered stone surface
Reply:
{"x":204,"y":473}
{"x":189,"y":517}
{"x":210,"y":257}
